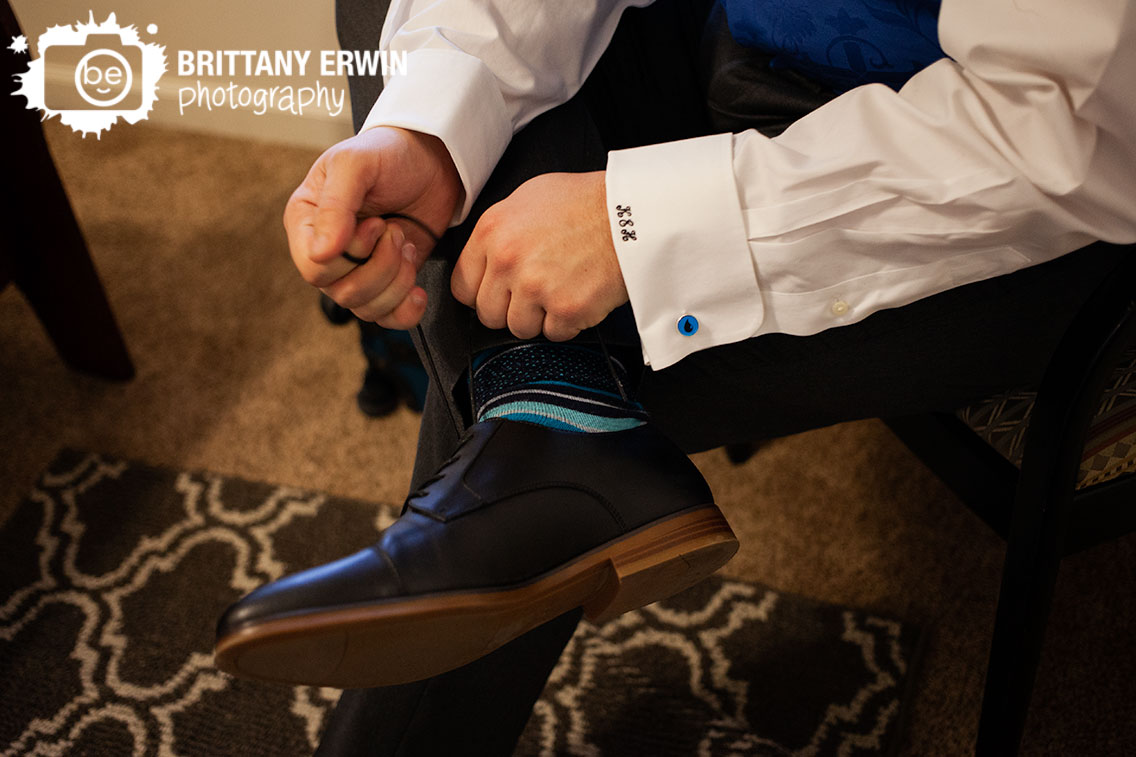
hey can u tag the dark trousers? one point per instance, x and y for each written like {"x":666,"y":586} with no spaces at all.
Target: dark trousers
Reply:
{"x":657,"y":82}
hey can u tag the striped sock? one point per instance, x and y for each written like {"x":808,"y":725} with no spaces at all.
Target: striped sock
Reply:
{"x":567,"y":387}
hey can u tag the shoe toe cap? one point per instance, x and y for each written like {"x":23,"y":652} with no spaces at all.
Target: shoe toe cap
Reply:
{"x":362,"y":577}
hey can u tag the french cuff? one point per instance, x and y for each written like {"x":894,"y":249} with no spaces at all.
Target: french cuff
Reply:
{"x":677,"y":225}
{"x":454,"y":97}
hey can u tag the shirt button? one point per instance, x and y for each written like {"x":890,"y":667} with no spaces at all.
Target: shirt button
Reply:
{"x":840,"y":307}
{"x":688,"y":325}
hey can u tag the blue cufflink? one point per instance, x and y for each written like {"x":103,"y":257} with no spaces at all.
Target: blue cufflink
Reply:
{"x":688,"y":325}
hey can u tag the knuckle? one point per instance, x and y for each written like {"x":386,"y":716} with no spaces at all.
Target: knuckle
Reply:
{"x":380,"y":275}
{"x":559,"y":332}
{"x":530,"y":289}
{"x":401,"y":283}
{"x":521,"y":329}
{"x":507,"y":256}
{"x":401,"y":318}
{"x":340,"y":155}
{"x":491,"y":320}
{"x":566,"y":311}
{"x":350,"y":297}
{"x":368,"y":312}
{"x":313,"y":276}
{"x":386,"y":259}
{"x":466,"y":295}
{"x":390,"y":320}
{"x":489,"y":221}
{"x":459,"y":290}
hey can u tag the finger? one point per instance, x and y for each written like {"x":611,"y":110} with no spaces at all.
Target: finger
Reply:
{"x":366,"y":236}
{"x":366,"y":282}
{"x":468,"y":274}
{"x":421,"y":254}
{"x":394,"y":293}
{"x":299,"y":221}
{"x":408,"y":313}
{"x":525,"y":319}
{"x":318,"y":274}
{"x":493,"y":304}
{"x":341,"y":196}
{"x":557,"y":330}
{"x":325,"y":274}
{"x":301,"y":207}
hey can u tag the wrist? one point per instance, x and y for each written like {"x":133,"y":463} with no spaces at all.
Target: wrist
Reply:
{"x":447,"y":193}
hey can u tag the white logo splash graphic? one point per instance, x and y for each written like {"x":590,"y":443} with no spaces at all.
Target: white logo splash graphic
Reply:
{"x":97,"y":73}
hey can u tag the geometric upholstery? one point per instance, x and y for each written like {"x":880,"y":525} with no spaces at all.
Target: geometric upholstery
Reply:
{"x":1110,"y":448}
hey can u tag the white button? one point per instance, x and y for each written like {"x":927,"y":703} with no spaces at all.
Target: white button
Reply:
{"x":840,"y":307}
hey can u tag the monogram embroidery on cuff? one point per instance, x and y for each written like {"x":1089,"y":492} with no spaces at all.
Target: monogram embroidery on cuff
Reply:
{"x":626,"y":231}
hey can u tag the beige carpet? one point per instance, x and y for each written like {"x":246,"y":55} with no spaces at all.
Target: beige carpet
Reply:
{"x":238,"y":373}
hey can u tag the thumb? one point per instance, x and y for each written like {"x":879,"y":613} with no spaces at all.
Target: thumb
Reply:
{"x":340,"y":200}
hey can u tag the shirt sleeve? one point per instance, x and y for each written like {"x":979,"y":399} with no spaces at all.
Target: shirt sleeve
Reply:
{"x":479,"y":70}
{"x":1015,"y":150}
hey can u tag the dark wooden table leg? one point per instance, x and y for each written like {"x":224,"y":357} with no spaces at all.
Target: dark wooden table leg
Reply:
{"x":45,"y":254}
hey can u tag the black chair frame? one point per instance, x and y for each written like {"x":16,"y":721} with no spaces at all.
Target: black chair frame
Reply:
{"x":1037,"y":509}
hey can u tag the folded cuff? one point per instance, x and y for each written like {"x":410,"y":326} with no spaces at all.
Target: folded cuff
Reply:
{"x":469,"y":116}
{"x":679,"y":234}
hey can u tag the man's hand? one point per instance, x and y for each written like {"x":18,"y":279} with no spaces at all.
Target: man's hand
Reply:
{"x":336,"y":209}
{"x":542,"y":260}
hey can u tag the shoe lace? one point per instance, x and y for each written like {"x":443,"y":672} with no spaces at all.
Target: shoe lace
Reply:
{"x":443,"y":470}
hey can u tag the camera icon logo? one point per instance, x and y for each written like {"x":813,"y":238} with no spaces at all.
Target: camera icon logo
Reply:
{"x":105,"y":74}
{"x":93,"y":74}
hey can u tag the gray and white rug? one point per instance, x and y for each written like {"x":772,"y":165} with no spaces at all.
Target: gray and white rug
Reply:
{"x":114,"y":573}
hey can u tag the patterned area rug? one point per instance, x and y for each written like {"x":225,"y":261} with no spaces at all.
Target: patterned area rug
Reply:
{"x":114,"y":573}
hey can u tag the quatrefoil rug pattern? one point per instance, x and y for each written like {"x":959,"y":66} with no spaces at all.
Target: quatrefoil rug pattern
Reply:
{"x":114,"y":573}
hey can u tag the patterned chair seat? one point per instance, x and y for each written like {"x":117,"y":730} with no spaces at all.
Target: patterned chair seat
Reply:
{"x":1110,"y":448}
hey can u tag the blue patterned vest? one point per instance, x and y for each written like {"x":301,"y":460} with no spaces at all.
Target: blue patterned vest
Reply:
{"x":841,"y":43}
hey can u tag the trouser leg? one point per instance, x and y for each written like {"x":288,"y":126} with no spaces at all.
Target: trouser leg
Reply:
{"x":358,"y":25}
{"x":479,"y":709}
{"x":482,"y":707}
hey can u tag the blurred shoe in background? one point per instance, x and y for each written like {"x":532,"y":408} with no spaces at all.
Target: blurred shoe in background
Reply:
{"x":394,"y":374}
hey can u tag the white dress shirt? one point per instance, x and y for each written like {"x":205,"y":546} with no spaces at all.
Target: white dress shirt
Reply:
{"x":1017,"y":149}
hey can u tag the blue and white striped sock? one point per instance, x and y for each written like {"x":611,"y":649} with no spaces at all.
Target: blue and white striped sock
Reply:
{"x":567,"y":387}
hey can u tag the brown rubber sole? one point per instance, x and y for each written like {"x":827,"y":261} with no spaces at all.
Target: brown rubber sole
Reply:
{"x":398,"y":641}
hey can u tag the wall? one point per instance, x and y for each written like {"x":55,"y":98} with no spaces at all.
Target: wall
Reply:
{"x":213,"y":25}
